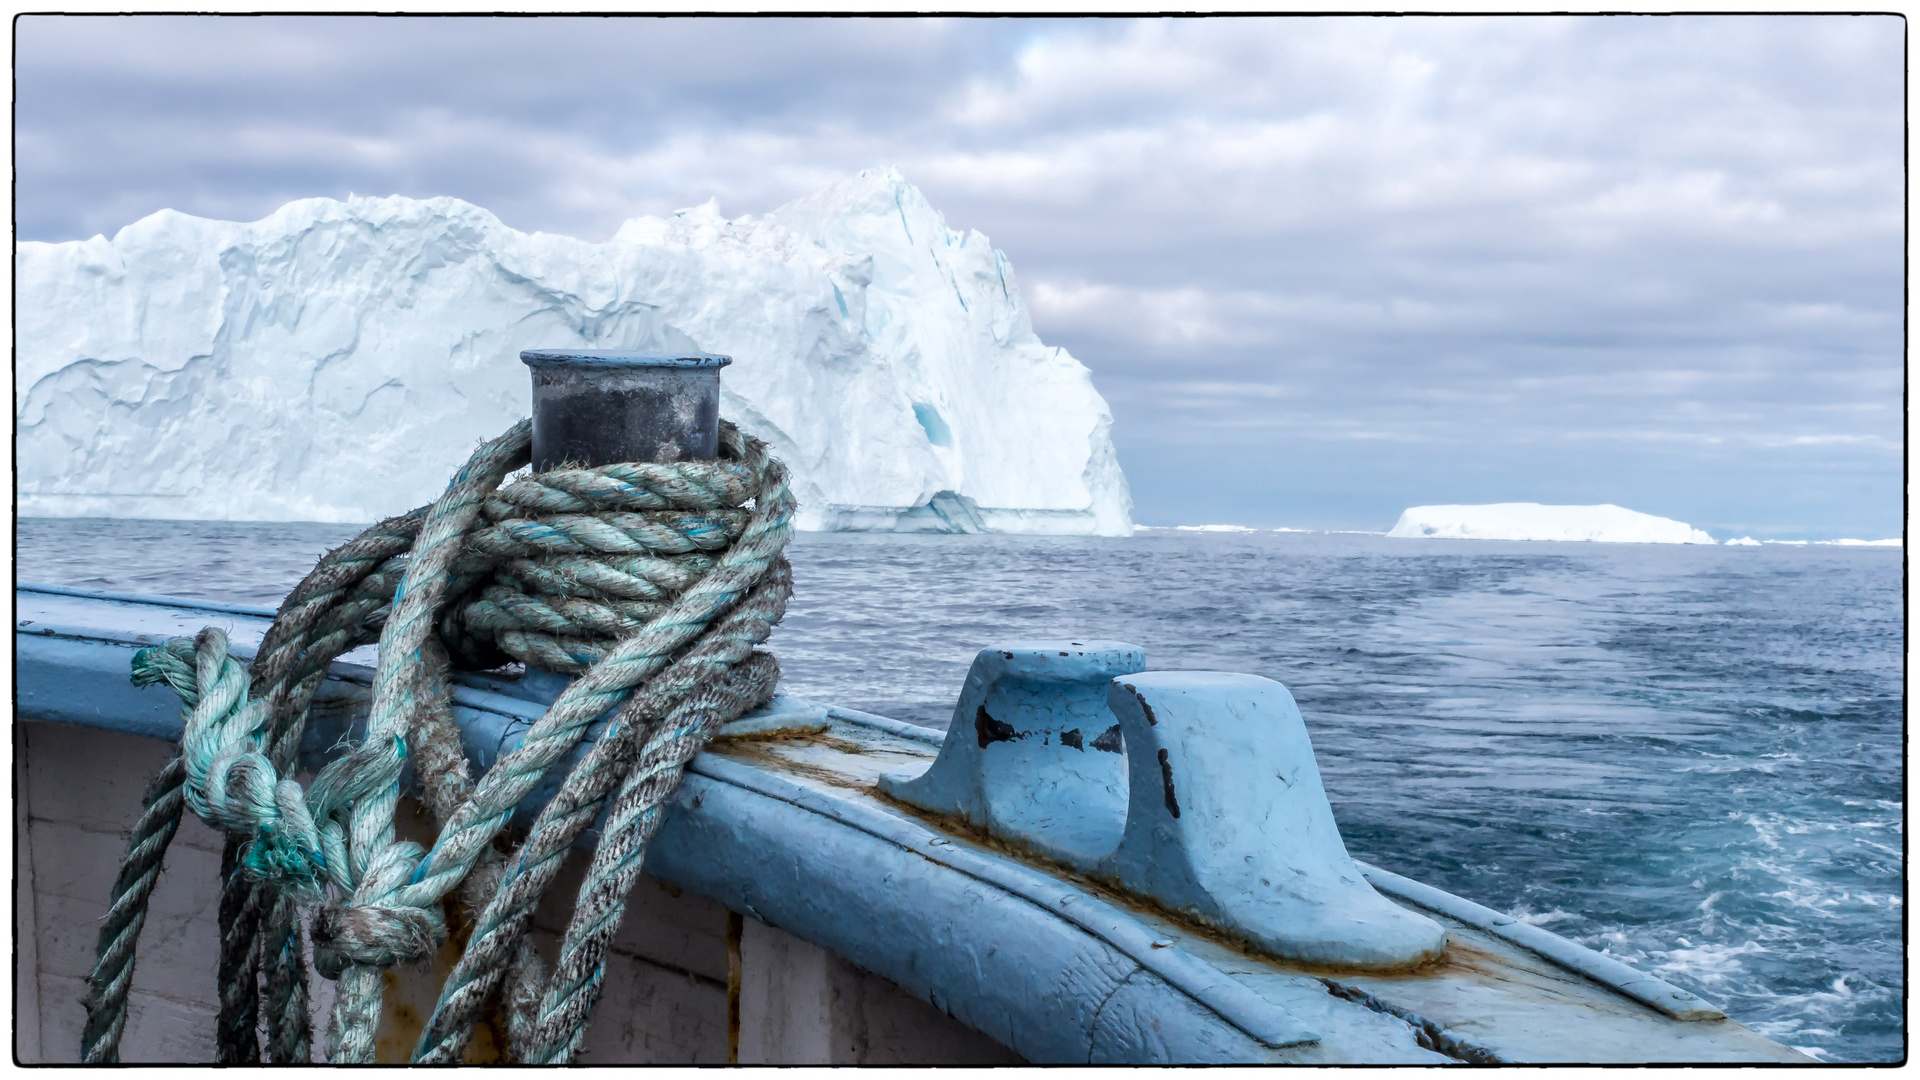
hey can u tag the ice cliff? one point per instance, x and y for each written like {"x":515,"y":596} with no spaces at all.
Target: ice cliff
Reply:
{"x":336,"y":360}
{"x":1606,"y":523}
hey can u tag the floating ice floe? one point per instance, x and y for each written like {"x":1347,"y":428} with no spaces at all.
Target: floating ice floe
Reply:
{"x":1605,"y":523}
{"x":1895,"y":542}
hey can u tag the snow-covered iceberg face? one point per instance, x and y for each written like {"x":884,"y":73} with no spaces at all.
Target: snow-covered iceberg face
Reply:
{"x":1605,"y":523}
{"x":335,"y":361}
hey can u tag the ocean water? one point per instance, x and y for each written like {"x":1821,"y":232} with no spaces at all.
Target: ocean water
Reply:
{"x":1688,"y":757}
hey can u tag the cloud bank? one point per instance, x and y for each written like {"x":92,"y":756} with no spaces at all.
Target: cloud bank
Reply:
{"x":1323,"y":268}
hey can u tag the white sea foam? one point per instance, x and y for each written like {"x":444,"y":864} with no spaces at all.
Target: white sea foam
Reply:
{"x":1708,"y":962}
{"x":1545,"y":918}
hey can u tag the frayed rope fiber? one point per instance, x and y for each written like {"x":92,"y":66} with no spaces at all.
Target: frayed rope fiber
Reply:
{"x":651,"y":583}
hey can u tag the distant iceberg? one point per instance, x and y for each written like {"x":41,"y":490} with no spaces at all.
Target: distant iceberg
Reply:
{"x":334,"y":361}
{"x":1748,"y":541}
{"x":1606,"y":523}
{"x":1199,"y":528}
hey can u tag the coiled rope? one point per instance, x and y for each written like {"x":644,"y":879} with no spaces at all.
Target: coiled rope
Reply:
{"x":652,"y":583}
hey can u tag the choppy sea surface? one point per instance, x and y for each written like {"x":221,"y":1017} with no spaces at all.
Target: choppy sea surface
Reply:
{"x":1688,"y":757}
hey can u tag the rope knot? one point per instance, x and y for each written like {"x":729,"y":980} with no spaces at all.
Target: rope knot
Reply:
{"x":287,"y":848}
{"x":377,"y":935}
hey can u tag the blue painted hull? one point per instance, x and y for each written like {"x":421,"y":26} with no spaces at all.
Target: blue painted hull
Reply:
{"x":1048,"y":963}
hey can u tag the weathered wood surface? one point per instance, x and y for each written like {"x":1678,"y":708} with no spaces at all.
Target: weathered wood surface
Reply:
{"x":897,"y":934}
{"x":666,"y":992}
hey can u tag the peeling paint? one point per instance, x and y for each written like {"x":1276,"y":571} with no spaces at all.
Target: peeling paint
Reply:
{"x":990,"y":730}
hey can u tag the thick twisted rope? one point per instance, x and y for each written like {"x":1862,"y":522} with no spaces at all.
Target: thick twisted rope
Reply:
{"x":633,"y":817}
{"x":571,"y":811}
{"x":626,"y":664}
{"x":106,"y":1001}
{"x":341,"y":603}
{"x":374,"y":929}
{"x":235,"y":1039}
{"x":311,"y":611}
{"x":653,"y":578}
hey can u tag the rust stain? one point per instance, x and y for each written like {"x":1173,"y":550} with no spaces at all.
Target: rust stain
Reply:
{"x":844,"y":746}
{"x":726,"y":744}
{"x":400,"y":1022}
{"x":809,"y":738}
{"x":411,"y":991}
{"x":968,"y":833}
{"x":757,"y":753}
{"x":1459,"y":960}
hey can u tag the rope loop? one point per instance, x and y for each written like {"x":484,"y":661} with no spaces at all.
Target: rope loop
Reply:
{"x":653,"y":583}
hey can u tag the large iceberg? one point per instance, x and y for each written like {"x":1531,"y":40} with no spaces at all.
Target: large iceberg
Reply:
{"x":1605,"y":523}
{"x":336,"y":360}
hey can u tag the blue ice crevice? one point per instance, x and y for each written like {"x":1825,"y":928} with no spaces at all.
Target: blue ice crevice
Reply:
{"x":935,"y":425}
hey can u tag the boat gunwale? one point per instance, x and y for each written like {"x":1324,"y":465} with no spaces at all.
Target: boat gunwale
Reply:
{"x":1203,"y":981}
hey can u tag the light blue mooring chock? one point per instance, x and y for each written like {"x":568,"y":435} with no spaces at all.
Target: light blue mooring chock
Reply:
{"x":1034,"y":755}
{"x":1216,"y":811}
{"x":1228,"y":822}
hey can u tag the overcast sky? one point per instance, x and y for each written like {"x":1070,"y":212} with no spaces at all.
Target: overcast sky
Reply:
{"x":1322,"y":268}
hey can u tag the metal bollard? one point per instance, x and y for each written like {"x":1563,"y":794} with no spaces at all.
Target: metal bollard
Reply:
{"x":590,"y":407}
{"x":598,"y":406}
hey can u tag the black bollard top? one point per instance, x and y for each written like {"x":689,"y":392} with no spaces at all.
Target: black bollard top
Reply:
{"x":599,"y":406}
{"x":620,"y":358}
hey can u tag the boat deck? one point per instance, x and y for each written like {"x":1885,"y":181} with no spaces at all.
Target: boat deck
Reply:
{"x":792,"y":833}
{"x":1487,"y":1000}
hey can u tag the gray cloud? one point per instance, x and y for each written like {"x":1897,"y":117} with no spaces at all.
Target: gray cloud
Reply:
{"x":1369,"y":261}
